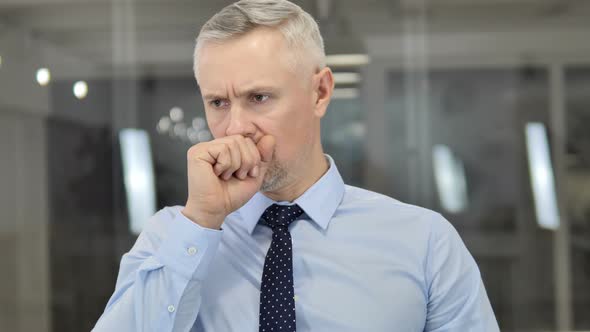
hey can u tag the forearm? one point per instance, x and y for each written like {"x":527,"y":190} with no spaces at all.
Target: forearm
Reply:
{"x":169,"y":260}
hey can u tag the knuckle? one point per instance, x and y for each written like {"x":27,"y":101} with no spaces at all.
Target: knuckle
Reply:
{"x":246,"y":165}
{"x":235,"y":145}
{"x":192,"y":152}
{"x":257,"y":157}
{"x":249,"y":161}
{"x":239,"y":138}
{"x":235,"y":165}
{"x":225,"y":149}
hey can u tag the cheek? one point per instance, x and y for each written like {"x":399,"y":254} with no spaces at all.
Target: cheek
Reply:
{"x":216,"y":125}
{"x":294,"y":134}
{"x":301,"y":121}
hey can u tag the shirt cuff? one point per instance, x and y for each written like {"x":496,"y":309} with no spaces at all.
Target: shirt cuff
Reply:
{"x":189,"y":247}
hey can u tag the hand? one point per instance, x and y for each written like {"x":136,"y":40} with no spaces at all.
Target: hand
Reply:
{"x":223,"y":175}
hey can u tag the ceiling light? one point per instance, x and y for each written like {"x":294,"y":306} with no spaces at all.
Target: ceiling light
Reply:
{"x":43,"y":76}
{"x":80,"y":89}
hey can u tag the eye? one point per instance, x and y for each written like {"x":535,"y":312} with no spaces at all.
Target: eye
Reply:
{"x":218,"y":103}
{"x":260,"y":98}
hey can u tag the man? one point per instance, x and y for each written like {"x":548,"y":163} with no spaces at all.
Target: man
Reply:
{"x":270,"y":238}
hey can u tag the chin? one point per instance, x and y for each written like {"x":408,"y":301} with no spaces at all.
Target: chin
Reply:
{"x":274,"y":178}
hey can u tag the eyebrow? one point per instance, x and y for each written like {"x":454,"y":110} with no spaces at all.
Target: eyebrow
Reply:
{"x":246,"y":92}
{"x":211,"y":96}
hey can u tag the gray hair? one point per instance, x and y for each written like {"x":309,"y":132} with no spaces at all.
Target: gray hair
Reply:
{"x":298,"y":27}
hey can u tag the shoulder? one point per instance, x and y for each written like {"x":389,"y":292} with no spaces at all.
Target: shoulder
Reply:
{"x":396,"y":217}
{"x":382,"y":206}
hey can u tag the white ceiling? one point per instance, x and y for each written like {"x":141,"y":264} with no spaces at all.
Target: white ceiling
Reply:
{"x":162,"y":32}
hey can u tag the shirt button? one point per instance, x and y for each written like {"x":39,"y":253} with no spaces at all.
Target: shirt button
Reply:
{"x":171,"y":308}
{"x":192,"y":251}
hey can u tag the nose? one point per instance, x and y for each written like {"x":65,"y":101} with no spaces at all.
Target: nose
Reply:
{"x":240,"y":123}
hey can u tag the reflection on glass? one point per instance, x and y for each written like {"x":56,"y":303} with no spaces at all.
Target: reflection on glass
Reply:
{"x":164,"y":125}
{"x":541,"y":174}
{"x":138,"y":177}
{"x":345,"y":93}
{"x":347,"y":78}
{"x":204,"y":136}
{"x":176,"y":114}
{"x":180,"y":130}
{"x":347,"y":60}
{"x":199,"y":123}
{"x":449,"y":175}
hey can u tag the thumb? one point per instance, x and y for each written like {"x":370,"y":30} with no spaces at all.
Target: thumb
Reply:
{"x":266,"y":147}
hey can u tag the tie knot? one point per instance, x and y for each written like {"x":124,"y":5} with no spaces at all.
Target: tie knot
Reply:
{"x":281,"y":215}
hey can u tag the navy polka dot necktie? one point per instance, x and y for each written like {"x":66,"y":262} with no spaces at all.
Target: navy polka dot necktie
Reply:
{"x":277,"y":302}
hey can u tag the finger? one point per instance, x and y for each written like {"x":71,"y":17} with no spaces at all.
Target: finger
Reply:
{"x":221,"y":156}
{"x":236,"y":159}
{"x":255,"y":170}
{"x":248,"y":159}
{"x":225,"y":161}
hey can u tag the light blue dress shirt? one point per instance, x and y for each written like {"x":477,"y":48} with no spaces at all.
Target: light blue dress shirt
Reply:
{"x":362,"y":261}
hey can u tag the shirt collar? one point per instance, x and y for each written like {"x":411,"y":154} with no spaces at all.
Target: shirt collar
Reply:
{"x":319,"y":202}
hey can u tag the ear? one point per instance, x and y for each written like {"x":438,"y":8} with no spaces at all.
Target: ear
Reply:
{"x":323,"y":88}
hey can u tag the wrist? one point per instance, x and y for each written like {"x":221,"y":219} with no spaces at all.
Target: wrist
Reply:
{"x":206,"y":220}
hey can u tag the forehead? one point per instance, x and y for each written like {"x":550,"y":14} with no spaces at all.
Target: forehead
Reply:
{"x":261,"y":54}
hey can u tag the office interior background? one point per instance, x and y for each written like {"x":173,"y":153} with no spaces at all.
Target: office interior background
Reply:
{"x":478,"y":109}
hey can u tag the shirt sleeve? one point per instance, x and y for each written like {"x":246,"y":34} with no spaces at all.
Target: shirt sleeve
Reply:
{"x":158,"y":286}
{"x":457,"y":299}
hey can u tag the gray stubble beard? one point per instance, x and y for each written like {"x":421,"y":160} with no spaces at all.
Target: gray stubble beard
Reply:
{"x":275,"y":177}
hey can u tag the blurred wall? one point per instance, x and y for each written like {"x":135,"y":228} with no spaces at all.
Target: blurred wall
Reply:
{"x":24,"y":280}
{"x":24,"y":249}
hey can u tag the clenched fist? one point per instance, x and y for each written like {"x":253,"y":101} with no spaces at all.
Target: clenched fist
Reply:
{"x":223,"y":175}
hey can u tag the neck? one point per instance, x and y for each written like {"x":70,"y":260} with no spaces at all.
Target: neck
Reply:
{"x":311,"y":173}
